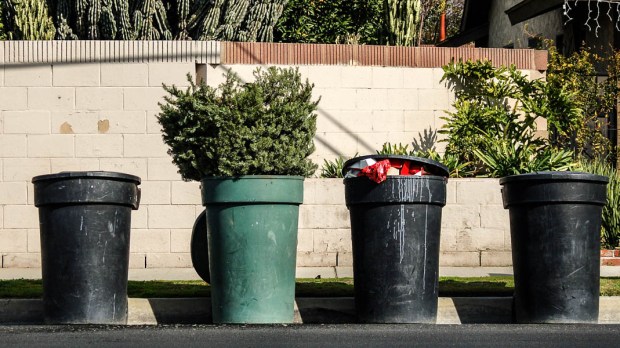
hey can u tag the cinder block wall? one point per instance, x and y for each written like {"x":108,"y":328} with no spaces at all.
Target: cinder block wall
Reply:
{"x":92,"y":105}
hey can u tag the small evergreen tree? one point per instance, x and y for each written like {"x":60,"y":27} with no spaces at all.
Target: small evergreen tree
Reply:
{"x":265,"y":127}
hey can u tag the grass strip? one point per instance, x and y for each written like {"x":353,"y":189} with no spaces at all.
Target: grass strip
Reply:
{"x":341,"y":287}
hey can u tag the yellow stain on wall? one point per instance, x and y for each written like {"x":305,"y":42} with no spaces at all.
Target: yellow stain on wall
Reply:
{"x":66,"y":128}
{"x":103,"y":126}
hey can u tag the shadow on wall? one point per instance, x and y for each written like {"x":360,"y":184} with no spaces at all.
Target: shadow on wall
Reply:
{"x":426,"y":141}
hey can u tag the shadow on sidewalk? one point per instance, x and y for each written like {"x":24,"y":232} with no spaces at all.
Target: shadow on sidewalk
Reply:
{"x":488,"y":310}
{"x":182,"y":310}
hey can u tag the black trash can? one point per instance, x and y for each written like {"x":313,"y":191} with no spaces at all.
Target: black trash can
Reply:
{"x":555,"y":225}
{"x":395,"y":229}
{"x":85,"y":220}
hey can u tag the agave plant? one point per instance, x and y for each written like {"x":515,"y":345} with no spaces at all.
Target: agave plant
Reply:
{"x":332,"y":169}
{"x":517,"y":150}
{"x":395,"y":149}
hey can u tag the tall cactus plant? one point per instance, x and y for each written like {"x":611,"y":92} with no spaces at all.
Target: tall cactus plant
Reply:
{"x":234,"y":15}
{"x":150,"y":20}
{"x":182,"y":16}
{"x":207,"y":21}
{"x":2,"y":30}
{"x":235,"y":20}
{"x":27,"y":20}
{"x":261,"y":20}
{"x":402,"y":18}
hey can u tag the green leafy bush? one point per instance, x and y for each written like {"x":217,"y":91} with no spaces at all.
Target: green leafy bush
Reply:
{"x":494,"y":125}
{"x":610,"y":228}
{"x":263,"y":127}
{"x":333,"y":21}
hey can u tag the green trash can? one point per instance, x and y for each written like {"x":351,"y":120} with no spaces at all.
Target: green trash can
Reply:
{"x":252,"y":244}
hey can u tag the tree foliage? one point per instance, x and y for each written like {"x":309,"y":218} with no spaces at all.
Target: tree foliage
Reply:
{"x":430,"y":17}
{"x":394,"y":22}
{"x":597,"y":99}
{"x":262,"y":127}
{"x":334,"y":21}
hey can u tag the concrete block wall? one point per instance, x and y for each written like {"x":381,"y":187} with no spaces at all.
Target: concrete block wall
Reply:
{"x":475,"y":227}
{"x":92,"y":115}
{"x":96,"y":110}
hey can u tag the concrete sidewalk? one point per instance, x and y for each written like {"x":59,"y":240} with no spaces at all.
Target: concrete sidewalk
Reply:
{"x":154,"y":311}
{"x":304,"y":272}
{"x":452,"y":310}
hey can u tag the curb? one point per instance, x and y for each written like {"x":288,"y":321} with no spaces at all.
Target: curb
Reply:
{"x":332,"y":310}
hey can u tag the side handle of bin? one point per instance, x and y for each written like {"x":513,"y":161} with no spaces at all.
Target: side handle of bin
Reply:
{"x":136,"y":204}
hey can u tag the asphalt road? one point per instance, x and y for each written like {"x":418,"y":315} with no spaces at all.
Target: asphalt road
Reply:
{"x":313,"y":336}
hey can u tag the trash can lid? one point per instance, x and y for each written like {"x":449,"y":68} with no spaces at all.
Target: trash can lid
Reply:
{"x":430,"y":165}
{"x":551,"y":175}
{"x":88,"y":175}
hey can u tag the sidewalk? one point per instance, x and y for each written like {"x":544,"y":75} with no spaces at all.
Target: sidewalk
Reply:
{"x":305,"y":272}
{"x":154,"y":311}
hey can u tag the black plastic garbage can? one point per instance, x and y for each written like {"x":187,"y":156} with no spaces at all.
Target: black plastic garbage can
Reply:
{"x":555,"y":224}
{"x":395,"y":229}
{"x":85,"y":220}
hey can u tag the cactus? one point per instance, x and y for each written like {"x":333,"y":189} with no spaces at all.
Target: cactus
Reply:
{"x":246,"y":20}
{"x":108,"y":23}
{"x":208,"y":23}
{"x":265,"y":31}
{"x":63,"y":29}
{"x":120,"y":9}
{"x":93,"y":13}
{"x":28,"y":20}
{"x":402,"y":19}
{"x":182,"y":15}
{"x":150,"y":20}
{"x":162,"y":21}
{"x":2,"y":32}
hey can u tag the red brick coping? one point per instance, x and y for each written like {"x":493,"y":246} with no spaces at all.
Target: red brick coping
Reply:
{"x":610,"y":257}
{"x":421,"y":57}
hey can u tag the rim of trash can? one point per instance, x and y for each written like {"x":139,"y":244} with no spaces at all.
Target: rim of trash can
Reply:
{"x":98,"y":174}
{"x":554,"y":175}
{"x":434,"y":167}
